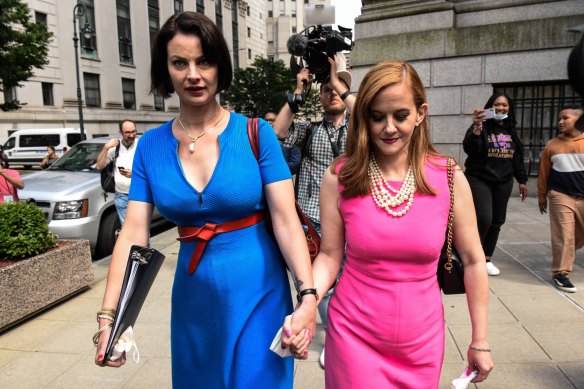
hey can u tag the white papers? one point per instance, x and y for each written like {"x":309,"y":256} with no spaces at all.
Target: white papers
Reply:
{"x":464,"y":379}
{"x":276,"y":345}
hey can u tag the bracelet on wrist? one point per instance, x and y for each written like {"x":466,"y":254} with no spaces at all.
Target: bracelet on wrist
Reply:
{"x":484,"y":350}
{"x":304,"y":292}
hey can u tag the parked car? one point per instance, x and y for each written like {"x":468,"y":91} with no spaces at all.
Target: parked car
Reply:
{"x":69,"y":193}
{"x":28,"y":147}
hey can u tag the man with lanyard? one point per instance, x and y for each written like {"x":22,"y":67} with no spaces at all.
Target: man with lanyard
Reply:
{"x":123,"y":152}
{"x":321,"y":142}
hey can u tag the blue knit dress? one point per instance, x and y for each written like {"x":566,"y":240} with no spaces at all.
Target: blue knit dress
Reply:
{"x":226,"y":314}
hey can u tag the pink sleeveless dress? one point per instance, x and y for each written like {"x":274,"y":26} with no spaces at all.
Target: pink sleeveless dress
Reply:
{"x":386,"y":320}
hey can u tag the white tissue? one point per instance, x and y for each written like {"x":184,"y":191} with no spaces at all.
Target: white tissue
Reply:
{"x":126,"y":342}
{"x":464,"y":379}
{"x":276,"y":345}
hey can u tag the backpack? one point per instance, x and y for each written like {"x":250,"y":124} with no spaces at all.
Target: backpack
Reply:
{"x":108,"y":182}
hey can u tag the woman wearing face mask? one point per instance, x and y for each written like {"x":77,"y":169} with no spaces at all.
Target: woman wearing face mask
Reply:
{"x":495,"y":156}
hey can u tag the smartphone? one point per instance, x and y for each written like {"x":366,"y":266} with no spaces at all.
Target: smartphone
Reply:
{"x":489,"y":113}
{"x":120,"y":167}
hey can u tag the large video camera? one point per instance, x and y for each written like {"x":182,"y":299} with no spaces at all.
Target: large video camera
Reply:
{"x":315,"y":44}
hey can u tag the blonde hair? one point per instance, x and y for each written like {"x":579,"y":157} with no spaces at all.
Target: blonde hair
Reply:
{"x":353,"y":174}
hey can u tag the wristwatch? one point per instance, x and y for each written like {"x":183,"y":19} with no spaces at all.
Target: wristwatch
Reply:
{"x":294,"y":100}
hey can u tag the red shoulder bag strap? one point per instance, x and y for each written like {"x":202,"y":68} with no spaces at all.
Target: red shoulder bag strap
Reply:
{"x":312,"y":237}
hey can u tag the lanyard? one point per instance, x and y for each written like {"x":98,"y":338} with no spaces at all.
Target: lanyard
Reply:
{"x":336,"y":146}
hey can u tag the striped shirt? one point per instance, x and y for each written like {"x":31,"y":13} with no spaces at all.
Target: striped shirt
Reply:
{"x":561,"y":167}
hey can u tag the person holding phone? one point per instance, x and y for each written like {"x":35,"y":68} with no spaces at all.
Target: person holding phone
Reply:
{"x":495,"y":156}
{"x":122,"y":150}
{"x":49,"y":158}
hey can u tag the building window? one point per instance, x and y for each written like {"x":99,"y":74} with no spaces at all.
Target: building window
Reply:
{"x":248,"y":53}
{"x":153,"y":19}
{"x":201,"y":6}
{"x":158,"y":102}
{"x":235,"y":40}
{"x":537,"y":106}
{"x":248,"y":11}
{"x":88,"y":46}
{"x":48,"y":93}
{"x":219,"y":14}
{"x":271,"y":58}
{"x":92,"y":91}
{"x":249,"y":32}
{"x":129,"y":93}
{"x":270,"y":14}
{"x":10,"y":95}
{"x":124,"y":32}
{"x":178,"y":6}
{"x":40,"y":18}
{"x":294,"y":29}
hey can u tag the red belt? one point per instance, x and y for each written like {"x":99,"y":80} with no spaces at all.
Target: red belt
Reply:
{"x":208,"y":231}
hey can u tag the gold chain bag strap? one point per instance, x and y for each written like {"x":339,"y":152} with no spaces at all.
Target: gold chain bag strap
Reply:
{"x":450,"y":269}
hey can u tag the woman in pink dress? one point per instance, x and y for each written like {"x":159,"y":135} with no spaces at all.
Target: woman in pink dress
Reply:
{"x":387,"y":199}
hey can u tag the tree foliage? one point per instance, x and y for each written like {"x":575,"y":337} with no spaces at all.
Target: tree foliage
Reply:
{"x":260,"y":88}
{"x":23,"y":46}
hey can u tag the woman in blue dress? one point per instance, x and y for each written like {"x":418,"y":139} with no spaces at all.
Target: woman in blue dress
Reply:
{"x":231,"y":291}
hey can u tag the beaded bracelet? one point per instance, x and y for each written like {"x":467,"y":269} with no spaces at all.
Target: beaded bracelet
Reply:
{"x":484,"y":350}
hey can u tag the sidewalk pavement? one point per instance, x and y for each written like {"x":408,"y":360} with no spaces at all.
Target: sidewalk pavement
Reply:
{"x":536,"y":331}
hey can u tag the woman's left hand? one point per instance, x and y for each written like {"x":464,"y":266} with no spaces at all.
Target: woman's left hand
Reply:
{"x":523,"y":191}
{"x":481,"y":361}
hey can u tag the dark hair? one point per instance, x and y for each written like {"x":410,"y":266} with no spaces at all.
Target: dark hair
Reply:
{"x":51,"y":147}
{"x":510,"y":121}
{"x":572,"y":106}
{"x":213,"y":43}
{"x":121,"y":123}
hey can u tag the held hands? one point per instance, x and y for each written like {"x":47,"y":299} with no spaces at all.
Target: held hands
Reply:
{"x":300,"y":327}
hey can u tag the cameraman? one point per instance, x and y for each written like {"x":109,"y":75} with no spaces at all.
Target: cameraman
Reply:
{"x":321,"y":142}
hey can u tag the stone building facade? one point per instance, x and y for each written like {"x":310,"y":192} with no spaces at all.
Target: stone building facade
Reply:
{"x":464,"y":50}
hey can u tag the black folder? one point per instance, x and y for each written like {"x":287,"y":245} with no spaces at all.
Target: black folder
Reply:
{"x":141,"y":270}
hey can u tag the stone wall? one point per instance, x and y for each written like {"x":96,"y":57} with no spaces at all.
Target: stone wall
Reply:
{"x":461,"y":48}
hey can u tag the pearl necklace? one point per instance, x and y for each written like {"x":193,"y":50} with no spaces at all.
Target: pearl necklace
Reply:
{"x":194,"y":139}
{"x":381,"y":190}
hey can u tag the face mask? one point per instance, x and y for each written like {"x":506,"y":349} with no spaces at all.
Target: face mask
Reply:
{"x":502,"y":116}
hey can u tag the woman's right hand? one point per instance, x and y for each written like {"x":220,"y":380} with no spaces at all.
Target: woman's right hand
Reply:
{"x":101,"y":346}
{"x":477,"y":116}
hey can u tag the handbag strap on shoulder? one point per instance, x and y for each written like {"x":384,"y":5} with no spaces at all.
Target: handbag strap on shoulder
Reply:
{"x":448,"y":264}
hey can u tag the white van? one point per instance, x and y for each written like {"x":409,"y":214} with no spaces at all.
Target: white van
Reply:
{"x":28,"y":147}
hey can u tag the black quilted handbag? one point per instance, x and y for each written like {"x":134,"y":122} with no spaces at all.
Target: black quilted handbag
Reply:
{"x":450,"y":269}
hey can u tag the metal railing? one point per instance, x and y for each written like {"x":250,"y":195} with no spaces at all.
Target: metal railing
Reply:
{"x":537,"y":106}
